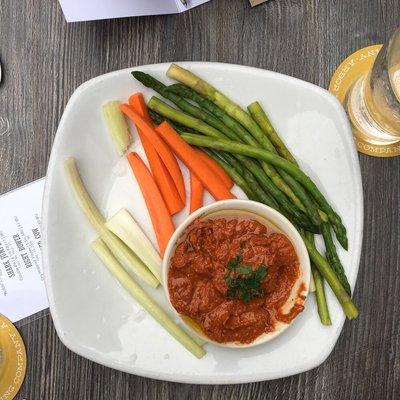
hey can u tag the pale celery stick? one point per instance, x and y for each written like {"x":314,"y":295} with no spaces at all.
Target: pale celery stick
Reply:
{"x":312,"y":284}
{"x":117,"y":126}
{"x":125,"y":256}
{"x":126,"y":228}
{"x":112,"y":264}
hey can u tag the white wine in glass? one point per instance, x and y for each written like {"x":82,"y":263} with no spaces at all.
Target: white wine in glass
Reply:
{"x":373,"y":102}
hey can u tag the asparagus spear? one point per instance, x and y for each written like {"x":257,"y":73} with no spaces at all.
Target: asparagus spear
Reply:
{"x":184,"y":105}
{"x":157,"y":119}
{"x":181,"y":118}
{"x":327,"y":272}
{"x":169,"y":112}
{"x":322,"y":304}
{"x":208,"y":105}
{"x":234,"y":174}
{"x":267,"y":184}
{"x":262,"y":154}
{"x":262,"y":119}
{"x":333,"y":257}
{"x":241,"y":162}
{"x":235,"y":111}
{"x":230,"y":159}
{"x":261,"y":195}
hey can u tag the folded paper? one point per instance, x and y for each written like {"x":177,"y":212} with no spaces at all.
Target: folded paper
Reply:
{"x":87,"y":10}
{"x":22,"y":291}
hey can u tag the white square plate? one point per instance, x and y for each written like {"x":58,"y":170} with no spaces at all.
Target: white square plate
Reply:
{"x":97,"y":319}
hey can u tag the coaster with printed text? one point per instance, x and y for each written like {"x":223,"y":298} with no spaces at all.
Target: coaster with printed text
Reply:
{"x":12,"y":359}
{"x":348,"y":72}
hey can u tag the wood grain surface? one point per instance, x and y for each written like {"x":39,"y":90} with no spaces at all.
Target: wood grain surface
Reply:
{"x":44,"y":60}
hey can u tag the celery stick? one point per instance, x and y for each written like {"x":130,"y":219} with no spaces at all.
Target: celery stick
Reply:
{"x":125,"y":256}
{"x":126,"y":228}
{"x":117,"y":126}
{"x":144,"y":299}
{"x":312,"y":284}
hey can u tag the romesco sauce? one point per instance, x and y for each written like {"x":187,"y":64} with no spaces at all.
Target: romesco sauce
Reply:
{"x":198,"y":268}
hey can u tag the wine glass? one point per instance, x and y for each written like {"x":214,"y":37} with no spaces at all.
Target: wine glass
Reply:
{"x":373,"y":101}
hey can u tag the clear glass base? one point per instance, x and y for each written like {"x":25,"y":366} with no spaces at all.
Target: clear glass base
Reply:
{"x":362,"y":119}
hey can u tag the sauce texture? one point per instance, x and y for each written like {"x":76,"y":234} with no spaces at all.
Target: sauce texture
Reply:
{"x":197,"y":286}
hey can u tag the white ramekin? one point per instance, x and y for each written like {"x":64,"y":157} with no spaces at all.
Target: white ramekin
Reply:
{"x":236,"y":207}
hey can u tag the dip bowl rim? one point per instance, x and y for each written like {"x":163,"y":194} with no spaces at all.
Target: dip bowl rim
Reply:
{"x":259,"y":210}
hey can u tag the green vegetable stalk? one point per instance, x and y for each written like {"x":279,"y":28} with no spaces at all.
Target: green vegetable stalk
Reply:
{"x":187,"y":92}
{"x":327,"y":272}
{"x":277,"y":145}
{"x":322,"y":304}
{"x":117,"y":126}
{"x":333,"y":258}
{"x":184,"y":105}
{"x":274,"y":159}
{"x":124,"y":255}
{"x":234,"y":174}
{"x":263,"y":121}
{"x":141,"y":296}
{"x":202,"y":87}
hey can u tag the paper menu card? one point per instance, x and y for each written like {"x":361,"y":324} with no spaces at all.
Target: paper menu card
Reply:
{"x":22,"y":290}
{"x":87,"y":10}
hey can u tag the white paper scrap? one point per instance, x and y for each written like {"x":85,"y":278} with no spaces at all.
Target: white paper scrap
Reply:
{"x":22,"y":290}
{"x":87,"y":10}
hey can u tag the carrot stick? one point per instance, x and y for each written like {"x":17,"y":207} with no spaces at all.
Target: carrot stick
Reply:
{"x":196,"y":193}
{"x":196,"y":165}
{"x":162,"y":149}
{"x":136,"y":100}
{"x":161,"y":175}
{"x":158,"y":211}
{"x":163,"y":178}
{"x":225,"y":178}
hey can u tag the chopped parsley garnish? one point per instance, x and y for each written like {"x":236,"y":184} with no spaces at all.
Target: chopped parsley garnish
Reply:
{"x":244,"y":282}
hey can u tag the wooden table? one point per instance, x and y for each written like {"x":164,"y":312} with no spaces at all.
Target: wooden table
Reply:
{"x":44,"y":60}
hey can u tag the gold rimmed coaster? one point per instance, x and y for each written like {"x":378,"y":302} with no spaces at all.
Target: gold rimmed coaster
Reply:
{"x":12,"y":360}
{"x":348,"y":72}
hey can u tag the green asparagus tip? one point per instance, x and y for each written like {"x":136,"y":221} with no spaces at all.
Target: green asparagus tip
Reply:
{"x":138,"y":74}
{"x":342,"y":239}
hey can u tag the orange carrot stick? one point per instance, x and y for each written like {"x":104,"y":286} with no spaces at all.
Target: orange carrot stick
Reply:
{"x":196,"y":165}
{"x":160,"y":173}
{"x":196,"y":193}
{"x":163,"y":178}
{"x":158,"y":211}
{"x":136,"y":100}
{"x":225,"y":178}
{"x":162,"y":149}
